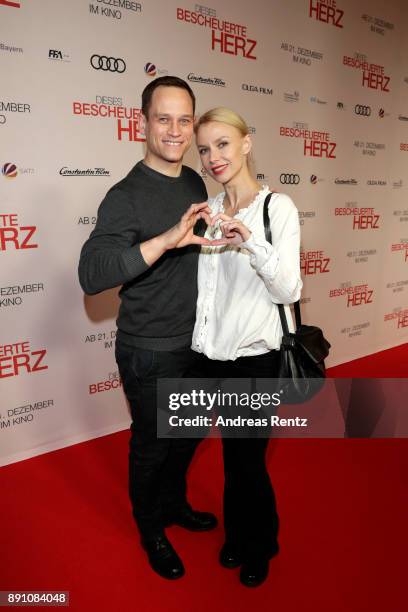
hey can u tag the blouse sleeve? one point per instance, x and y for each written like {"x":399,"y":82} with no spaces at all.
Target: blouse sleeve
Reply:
{"x":278,"y":264}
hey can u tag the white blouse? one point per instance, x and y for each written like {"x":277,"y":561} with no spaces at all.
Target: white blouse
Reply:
{"x":238,"y":286}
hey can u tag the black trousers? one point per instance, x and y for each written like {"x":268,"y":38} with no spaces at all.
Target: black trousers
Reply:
{"x":157,"y":467}
{"x":251,"y":520}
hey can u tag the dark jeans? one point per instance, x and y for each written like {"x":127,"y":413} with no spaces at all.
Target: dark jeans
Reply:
{"x":251,"y":521}
{"x":157,"y":467}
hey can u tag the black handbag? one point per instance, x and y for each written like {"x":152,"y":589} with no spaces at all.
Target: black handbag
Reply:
{"x":302,"y":353}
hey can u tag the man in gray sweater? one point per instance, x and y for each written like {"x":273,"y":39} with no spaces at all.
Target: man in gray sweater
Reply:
{"x":133,"y":246}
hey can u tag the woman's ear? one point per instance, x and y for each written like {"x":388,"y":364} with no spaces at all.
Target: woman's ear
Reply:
{"x":246,"y":144}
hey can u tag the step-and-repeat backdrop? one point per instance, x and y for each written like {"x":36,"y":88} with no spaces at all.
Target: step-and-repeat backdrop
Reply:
{"x":323,"y":85}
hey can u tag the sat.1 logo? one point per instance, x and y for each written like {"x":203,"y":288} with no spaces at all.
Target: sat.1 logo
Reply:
{"x":9,"y":170}
{"x":150,"y":69}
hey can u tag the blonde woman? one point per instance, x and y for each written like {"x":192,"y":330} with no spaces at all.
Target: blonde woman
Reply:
{"x":241,"y":278}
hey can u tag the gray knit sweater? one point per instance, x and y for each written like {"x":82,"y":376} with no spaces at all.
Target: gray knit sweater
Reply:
{"x":158,"y":303}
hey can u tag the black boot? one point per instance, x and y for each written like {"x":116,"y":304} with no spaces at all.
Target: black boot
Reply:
{"x":163,"y":558}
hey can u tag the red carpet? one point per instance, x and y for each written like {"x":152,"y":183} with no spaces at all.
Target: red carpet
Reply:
{"x":66,"y":525}
{"x":392,"y":363}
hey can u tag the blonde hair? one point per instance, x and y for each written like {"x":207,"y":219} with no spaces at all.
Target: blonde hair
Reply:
{"x":222,"y":114}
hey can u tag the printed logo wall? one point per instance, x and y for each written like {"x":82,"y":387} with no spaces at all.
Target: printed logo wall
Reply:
{"x":329,"y":120}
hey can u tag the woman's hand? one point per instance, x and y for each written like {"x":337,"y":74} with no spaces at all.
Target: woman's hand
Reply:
{"x":233,"y":230}
{"x":182,"y":234}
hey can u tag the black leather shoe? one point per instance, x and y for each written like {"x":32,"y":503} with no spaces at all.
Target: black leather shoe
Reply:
{"x":229,"y":556}
{"x":192,"y":520}
{"x":254,"y":573}
{"x":163,"y":558}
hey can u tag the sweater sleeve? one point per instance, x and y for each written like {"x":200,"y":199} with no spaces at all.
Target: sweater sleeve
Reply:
{"x":278,"y":263}
{"x":111,"y":256}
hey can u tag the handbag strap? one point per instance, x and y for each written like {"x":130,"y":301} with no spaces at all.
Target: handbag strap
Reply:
{"x":268,"y":236}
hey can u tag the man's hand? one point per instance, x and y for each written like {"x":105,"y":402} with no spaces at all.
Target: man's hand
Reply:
{"x":182,"y":234}
{"x":178,"y":236}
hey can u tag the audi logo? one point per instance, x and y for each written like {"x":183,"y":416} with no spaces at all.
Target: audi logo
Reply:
{"x":289,"y":179}
{"x":111,"y":64}
{"x":365,"y":111}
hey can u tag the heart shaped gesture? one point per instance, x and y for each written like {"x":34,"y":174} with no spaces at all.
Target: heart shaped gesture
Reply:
{"x":233,"y":231}
{"x":182,"y":234}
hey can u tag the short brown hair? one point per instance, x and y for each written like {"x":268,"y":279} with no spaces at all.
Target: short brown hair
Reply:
{"x":164,"y":81}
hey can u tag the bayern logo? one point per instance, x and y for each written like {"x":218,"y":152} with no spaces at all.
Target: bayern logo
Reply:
{"x":313,"y":179}
{"x":9,"y":170}
{"x":150,"y":69}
